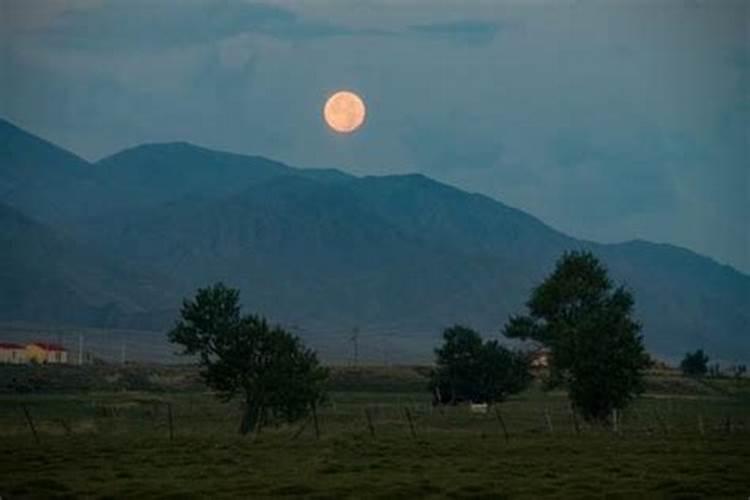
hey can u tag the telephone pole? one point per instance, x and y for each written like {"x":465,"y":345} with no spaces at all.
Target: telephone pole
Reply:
{"x":385,"y":352}
{"x":80,"y":349}
{"x":355,"y":341}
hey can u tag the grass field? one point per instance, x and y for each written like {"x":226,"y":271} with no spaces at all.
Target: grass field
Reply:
{"x":682,"y":440}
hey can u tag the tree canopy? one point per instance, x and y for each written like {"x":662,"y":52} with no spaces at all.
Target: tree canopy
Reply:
{"x":276,"y":375}
{"x":587,"y":324}
{"x":469,"y":369}
{"x":695,"y":364}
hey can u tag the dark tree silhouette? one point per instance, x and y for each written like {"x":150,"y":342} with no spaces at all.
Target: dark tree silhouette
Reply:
{"x":695,"y":364}
{"x":469,"y":369}
{"x":596,"y":347}
{"x":277,"y":377}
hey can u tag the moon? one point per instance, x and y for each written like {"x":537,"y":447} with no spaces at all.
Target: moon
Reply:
{"x":344,"y":112}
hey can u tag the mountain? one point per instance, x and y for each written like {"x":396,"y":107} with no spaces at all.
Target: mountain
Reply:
{"x":152,"y":174}
{"x":683,"y":297}
{"x":45,"y":277}
{"x":398,"y":256}
{"x":41,"y":178}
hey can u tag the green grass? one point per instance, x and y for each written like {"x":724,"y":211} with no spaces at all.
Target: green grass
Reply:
{"x":126,"y":453}
{"x":683,"y":439}
{"x":389,"y":466}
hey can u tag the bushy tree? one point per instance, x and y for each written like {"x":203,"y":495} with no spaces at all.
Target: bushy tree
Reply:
{"x":469,"y":369}
{"x":277,"y":377}
{"x":595,"y":344}
{"x":695,"y":364}
{"x":502,"y":372}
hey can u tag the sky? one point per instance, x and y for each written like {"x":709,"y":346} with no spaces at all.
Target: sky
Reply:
{"x":609,"y":120}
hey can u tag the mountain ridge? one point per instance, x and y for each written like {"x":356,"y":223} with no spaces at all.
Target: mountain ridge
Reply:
{"x":330,"y":250}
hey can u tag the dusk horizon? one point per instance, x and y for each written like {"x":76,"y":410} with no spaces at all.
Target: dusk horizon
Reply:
{"x":375,"y":249}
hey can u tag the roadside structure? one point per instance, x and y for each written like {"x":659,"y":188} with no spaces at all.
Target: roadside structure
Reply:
{"x":44,"y":352}
{"x":12,"y":353}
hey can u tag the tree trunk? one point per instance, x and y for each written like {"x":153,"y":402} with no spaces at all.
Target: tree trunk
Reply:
{"x":245,"y":420}
{"x":250,"y":418}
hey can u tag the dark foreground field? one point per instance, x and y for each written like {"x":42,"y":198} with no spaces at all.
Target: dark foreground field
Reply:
{"x":682,"y":440}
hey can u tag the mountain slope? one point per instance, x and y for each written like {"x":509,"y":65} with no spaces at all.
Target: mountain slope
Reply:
{"x":48,"y":278}
{"x":52,"y":184}
{"x":684,"y":299}
{"x":40,"y":178}
{"x":402,"y":256}
{"x":407,"y":249}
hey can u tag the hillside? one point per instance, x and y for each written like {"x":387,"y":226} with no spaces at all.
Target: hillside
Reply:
{"x":41,"y":179}
{"x":398,"y":256}
{"x":45,"y":277}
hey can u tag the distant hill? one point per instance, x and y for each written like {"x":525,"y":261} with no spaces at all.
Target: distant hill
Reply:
{"x":45,"y":277}
{"x":34,"y":174}
{"x":401,"y":256}
{"x":153,"y":174}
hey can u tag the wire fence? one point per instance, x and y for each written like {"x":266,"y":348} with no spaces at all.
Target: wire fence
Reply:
{"x":387,"y":415}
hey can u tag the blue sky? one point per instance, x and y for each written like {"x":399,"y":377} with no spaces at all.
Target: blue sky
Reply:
{"x":609,"y":120}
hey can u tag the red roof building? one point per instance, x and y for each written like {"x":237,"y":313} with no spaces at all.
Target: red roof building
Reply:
{"x":44,"y":352}
{"x":49,"y":347}
{"x":12,"y":353}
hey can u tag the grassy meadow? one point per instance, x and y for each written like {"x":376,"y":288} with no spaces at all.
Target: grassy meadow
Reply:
{"x":683,"y":439}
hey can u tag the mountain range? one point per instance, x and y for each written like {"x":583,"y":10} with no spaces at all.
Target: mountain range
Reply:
{"x":119,"y":242}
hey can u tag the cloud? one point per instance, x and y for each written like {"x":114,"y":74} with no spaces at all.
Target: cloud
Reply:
{"x":441,"y":146}
{"x":159,"y":24}
{"x":472,"y":32}
{"x":19,"y":16}
{"x":607,"y":121}
{"x":139,"y":24}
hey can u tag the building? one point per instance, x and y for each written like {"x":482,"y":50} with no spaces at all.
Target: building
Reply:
{"x":42,"y":352}
{"x":540,"y":359}
{"x":12,"y":353}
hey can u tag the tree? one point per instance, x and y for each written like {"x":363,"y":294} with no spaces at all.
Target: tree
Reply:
{"x":586,"y":323}
{"x":275,"y":374}
{"x":695,"y":364}
{"x":469,"y":369}
{"x":502,"y":372}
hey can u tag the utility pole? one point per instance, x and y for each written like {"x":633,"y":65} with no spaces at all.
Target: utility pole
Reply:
{"x":122,"y":353}
{"x":355,"y":341}
{"x":80,"y":349}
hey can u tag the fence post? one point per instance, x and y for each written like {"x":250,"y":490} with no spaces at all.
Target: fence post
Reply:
{"x":502,"y":423}
{"x":369,"y":422}
{"x":615,"y":416}
{"x":65,"y":425}
{"x":548,"y":419}
{"x":701,"y":429}
{"x":169,"y":419}
{"x":30,"y":422}
{"x":411,"y":422}
{"x":301,"y":428}
{"x":662,"y":423}
{"x":576,"y":425}
{"x":315,"y":421}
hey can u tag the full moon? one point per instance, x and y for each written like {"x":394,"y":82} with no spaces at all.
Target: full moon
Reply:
{"x":344,"y":112}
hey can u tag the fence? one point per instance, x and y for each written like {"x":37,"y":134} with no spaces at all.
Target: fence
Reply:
{"x":387,"y":415}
